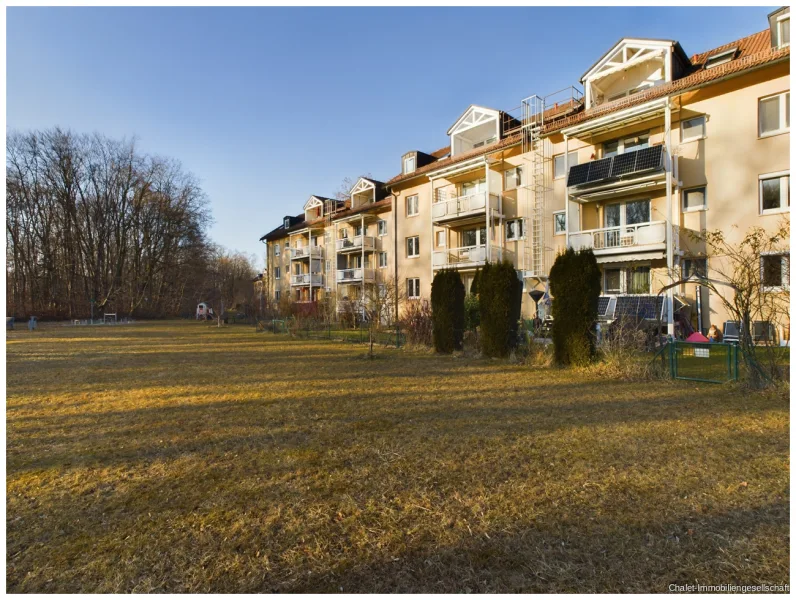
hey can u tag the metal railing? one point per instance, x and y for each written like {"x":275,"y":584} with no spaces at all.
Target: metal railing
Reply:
{"x":629,"y":236}
{"x":462,"y":206}
{"x":470,"y":255}
{"x":306,"y":252}
{"x":356,"y":243}
{"x":316,"y":279}
{"x":355,"y":274}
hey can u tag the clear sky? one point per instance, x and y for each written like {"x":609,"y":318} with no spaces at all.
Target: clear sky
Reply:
{"x":268,"y":106}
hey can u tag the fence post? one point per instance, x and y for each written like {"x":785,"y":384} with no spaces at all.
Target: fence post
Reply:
{"x":672,"y":367}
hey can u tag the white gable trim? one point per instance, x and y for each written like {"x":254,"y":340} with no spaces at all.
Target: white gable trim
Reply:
{"x":473,"y":117}
{"x":362,"y":185}
{"x":313,"y":202}
{"x":626,"y":53}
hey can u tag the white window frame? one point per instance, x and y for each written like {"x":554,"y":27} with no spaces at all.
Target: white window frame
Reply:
{"x":286,"y":222}
{"x":701,"y":136}
{"x":444,"y":241}
{"x":287,"y":244}
{"x":413,"y":288}
{"x":785,"y":266}
{"x":572,"y":154}
{"x":277,"y":250}
{"x":410,"y":164}
{"x":415,"y":246}
{"x":277,"y":293}
{"x":784,"y":193}
{"x":517,"y":173}
{"x":563,"y":231}
{"x":521,"y":224}
{"x":685,"y":192}
{"x":623,"y":214}
{"x":413,"y":201}
{"x":624,"y":279}
{"x":382,"y":255}
{"x":620,"y":146}
{"x":781,"y":20}
{"x":382,"y":228}
{"x":605,"y":289}
{"x":277,"y":273}
{"x":720,"y":58}
{"x":784,"y":99}
{"x":691,"y":259}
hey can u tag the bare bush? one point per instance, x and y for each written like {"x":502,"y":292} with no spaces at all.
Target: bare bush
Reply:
{"x":417,"y":322}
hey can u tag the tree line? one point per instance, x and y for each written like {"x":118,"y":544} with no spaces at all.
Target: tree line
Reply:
{"x":92,"y":224}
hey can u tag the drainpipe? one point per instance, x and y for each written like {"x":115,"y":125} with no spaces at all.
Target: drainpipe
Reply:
{"x":669,"y":219}
{"x":486,"y":203}
{"x":566,"y":194}
{"x":395,"y":251}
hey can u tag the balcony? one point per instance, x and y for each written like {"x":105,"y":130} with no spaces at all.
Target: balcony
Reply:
{"x":306,"y":252}
{"x":355,"y":275}
{"x":611,"y":241}
{"x":356,"y":244}
{"x":607,"y":176}
{"x":469,"y":257}
{"x":472,"y":205}
{"x":314,"y":279}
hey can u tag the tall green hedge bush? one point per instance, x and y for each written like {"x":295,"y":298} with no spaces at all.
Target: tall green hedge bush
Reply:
{"x":575,"y":288}
{"x":447,"y":311}
{"x":500,"y":301}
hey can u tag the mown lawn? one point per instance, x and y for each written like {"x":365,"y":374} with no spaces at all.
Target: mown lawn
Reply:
{"x":178,"y":457}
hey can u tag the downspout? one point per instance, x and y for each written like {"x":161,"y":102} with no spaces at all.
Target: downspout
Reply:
{"x":669,"y":219}
{"x":395,"y":251}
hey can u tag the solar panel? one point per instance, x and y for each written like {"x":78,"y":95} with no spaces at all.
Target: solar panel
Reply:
{"x":616,"y":166}
{"x":578,"y":174}
{"x":599,"y":169}
{"x":624,"y":164}
{"x":602,"y":305}
{"x":649,"y":158}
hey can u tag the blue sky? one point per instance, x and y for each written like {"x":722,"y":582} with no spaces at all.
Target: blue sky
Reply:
{"x":267,"y":106}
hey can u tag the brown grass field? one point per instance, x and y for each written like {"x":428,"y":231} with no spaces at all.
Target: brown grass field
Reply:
{"x":178,"y":457}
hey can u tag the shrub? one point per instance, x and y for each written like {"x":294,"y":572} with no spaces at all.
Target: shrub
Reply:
{"x":500,"y":301}
{"x":476,"y":281}
{"x":575,"y":287}
{"x":417,"y":323}
{"x":447,"y":308}
{"x":472,"y":312}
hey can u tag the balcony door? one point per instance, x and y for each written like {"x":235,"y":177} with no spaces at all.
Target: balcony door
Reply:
{"x":473,"y":237}
{"x":474,"y":187}
{"x":621,"y":218}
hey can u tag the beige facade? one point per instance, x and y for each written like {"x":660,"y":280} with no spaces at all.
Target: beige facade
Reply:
{"x":658,"y":146}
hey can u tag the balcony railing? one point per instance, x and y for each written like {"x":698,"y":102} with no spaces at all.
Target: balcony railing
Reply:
{"x":306,"y":252}
{"x":614,"y":240}
{"x":622,"y":166}
{"x":464,"y":206}
{"x":314,"y":279}
{"x":356,"y":243}
{"x":355,"y":274}
{"x":469,"y":256}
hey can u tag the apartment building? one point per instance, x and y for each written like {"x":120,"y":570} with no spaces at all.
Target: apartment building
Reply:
{"x":651,"y":146}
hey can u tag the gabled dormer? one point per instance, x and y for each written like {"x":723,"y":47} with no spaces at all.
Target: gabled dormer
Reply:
{"x":314,"y":208}
{"x":779,"y":23}
{"x":366,"y":191}
{"x":631,"y":66}
{"x":478,"y":126}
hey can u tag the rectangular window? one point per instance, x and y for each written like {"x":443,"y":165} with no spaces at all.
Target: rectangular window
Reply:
{"x":774,"y":114}
{"x":287,"y":223}
{"x":637,"y":211}
{"x":277,"y":273}
{"x":692,"y":129}
{"x":612,"y":283}
{"x":441,"y":242}
{"x":775,"y":271}
{"x":357,"y":230}
{"x":694,"y":199}
{"x":558,"y":164}
{"x":327,"y":237}
{"x":774,"y":193}
{"x":328,"y":266}
{"x":409,"y":164}
{"x":720,"y":58}
{"x":287,"y":245}
{"x":560,"y":222}
{"x":412,"y":205}
{"x":413,"y":288}
{"x":382,"y":260}
{"x":783,"y":31}
{"x":515,"y":230}
{"x":277,"y":251}
{"x":695,"y":266}
{"x":638,"y":280}
{"x":513,"y":178}
{"x":276,"y":295}
{"x":629,"y":144}
{"x":382,"y":227}
{"x":413,"y":246}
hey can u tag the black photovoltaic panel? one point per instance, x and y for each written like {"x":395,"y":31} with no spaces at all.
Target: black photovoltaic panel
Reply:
{"x":602,"y":305}
{"x":616,"y":166}
{"x":639,"y":307}
{"x":578,"y":174}
{"x":626,"y":306}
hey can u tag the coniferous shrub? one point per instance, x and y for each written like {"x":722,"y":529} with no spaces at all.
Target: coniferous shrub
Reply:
{"x":474,"y":284}
{"x":500,"y":301}
{"x":447,"y":311}
{"x":472,"y":312}
{"x":575,"y":288}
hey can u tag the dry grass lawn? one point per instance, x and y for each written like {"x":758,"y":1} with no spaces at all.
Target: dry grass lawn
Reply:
{"x":178,"y":457}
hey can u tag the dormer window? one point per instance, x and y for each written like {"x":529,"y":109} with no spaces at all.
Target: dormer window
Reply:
{"x":476,"y":128}
{"x":287,"y":222}
{"x":783,"y":31}
{"x":779,"y":24}
{"x":720,"y":58}
{"x":410,"y":163}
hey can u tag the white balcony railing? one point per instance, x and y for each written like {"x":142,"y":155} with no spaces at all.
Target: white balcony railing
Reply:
{"x":306,"y":252}
{"x":469,"y":256}
{"x":355,"y":274}
{"x":356,"y":243}
{"x":464,"y":206}
{"x":614,"y":240}
{"x":314,"y":279}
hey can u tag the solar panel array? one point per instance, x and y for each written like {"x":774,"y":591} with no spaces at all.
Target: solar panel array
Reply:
{"x":616,"y":166}
{"x":639,"y":307}
{"x":602,"y":305}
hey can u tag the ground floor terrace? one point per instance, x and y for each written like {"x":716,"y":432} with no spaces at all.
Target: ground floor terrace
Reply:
{"x":182,"y":457}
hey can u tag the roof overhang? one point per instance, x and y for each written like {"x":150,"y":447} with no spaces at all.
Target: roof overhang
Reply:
{"x":616,"y":189}
{"x":465,"y":166}
{"x":618,"y":119}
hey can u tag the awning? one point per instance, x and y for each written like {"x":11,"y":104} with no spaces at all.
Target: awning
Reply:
{"x":630,"y":257}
